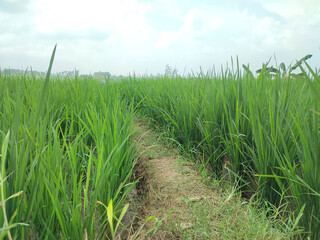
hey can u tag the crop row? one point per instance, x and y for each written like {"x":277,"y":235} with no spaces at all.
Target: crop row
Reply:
{"x":265,"y":129}
{"x":65,"y":145}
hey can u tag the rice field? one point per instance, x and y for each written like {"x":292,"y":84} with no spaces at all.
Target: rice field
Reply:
{"x":65,"y":146}
{"x":67,"y":152}
{"x":264,"y":129}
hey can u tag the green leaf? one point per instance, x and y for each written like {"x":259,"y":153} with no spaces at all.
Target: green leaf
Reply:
{"x":110,"y":216}
{"x":123,"y":212}
{"x":298,"y":63}
{"x":4,"y":155}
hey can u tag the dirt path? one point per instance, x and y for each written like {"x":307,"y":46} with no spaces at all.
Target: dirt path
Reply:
{"x":171,"y":184}
{"x":172,"y":191}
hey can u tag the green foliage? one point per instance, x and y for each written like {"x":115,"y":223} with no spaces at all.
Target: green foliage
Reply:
{"x":111,"y":217}
{"x":69,"y":147}
{"x":264,"y":128}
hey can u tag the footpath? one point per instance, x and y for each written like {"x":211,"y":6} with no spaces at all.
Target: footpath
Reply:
{"x":184,"y":204}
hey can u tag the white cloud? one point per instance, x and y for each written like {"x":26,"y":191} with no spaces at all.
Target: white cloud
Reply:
{"x":78,"y":15}
{"x":298,"y":33}
{"x":122,"y":24}
{"x":167,"y":38}
{"x":197,"y":23}
{"x":183,"y":35}
{"x":119,"y":35}
{"x":215,"y":23}
{"x":294,"y":9}
{"x":189,"y":19}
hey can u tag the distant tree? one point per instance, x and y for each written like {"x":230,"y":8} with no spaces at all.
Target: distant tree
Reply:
{"x":102,"y":74}
{"x":170,"y":72}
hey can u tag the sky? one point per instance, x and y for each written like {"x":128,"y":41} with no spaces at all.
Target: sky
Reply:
{"x":143,"y":36}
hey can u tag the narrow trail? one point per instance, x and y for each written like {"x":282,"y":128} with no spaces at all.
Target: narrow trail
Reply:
{"x":171,"y":190}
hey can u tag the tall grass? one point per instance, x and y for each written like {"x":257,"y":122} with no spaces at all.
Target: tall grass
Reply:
{"x":265,"y":128}
{"x":65,"y":144}
{"x":69,"y":147}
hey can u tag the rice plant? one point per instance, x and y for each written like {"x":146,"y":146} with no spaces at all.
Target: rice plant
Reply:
{"x":66,"y":144}
{"x":69,"y":147}
{"x":264,"y":127}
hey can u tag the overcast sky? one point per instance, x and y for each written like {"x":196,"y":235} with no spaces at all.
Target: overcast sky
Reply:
{"x":142,"y":36}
